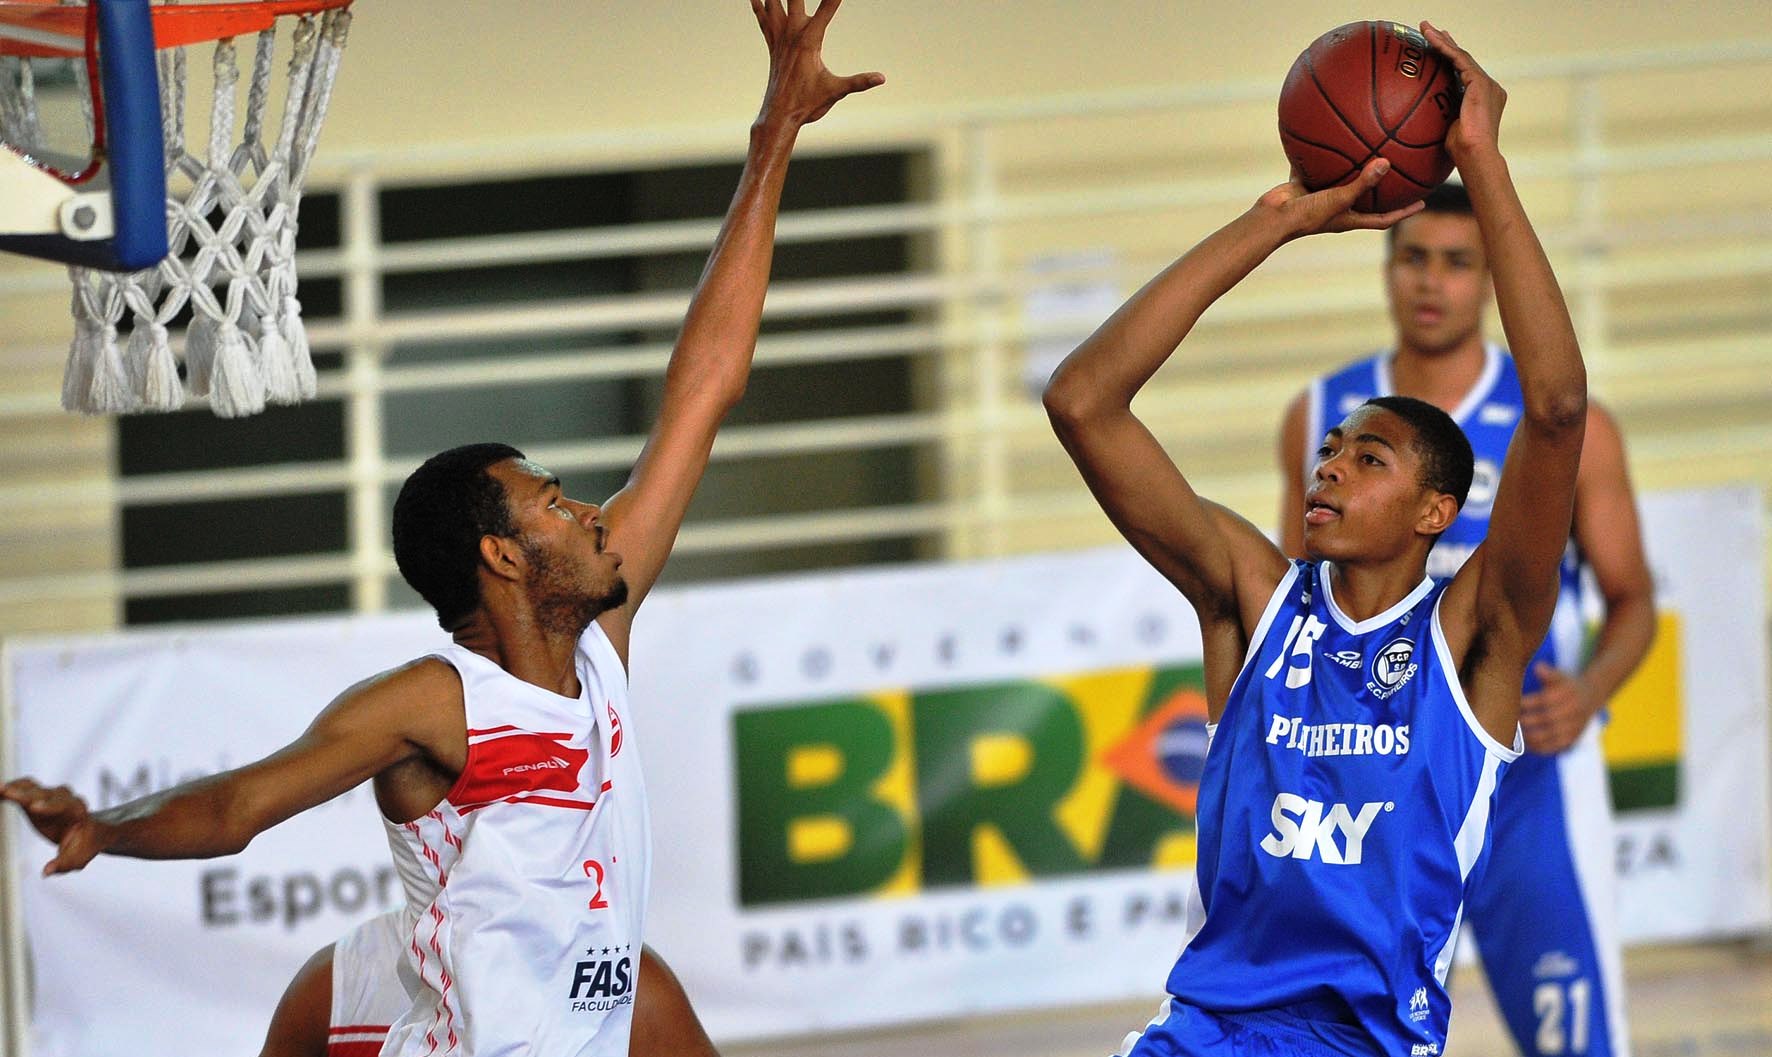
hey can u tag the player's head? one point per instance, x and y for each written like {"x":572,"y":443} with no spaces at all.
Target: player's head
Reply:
{"x":1390,"y":478}
{"x":1436,"y":274}
{"x":482,"y":516}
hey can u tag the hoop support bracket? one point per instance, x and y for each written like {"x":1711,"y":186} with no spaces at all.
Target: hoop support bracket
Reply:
{"x":36,"y":204}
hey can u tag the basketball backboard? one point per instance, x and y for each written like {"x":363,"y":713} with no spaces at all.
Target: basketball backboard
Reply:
{"x":156,"y":147}
{"x":82,"y":172}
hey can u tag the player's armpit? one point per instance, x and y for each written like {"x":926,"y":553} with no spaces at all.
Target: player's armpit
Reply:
{"x":416,"y":710}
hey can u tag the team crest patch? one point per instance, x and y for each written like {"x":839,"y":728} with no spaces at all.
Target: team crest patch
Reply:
{"x":1392,"y":666}
{"x":614,"y":729}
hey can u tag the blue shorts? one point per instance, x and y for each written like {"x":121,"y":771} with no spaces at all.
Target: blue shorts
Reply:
{"x":1181,"y":1030}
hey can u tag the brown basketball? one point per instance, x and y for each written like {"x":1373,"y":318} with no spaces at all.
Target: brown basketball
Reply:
{"x":1365,"y":90}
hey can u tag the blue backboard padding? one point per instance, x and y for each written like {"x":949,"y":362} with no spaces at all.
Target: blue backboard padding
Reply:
{"x":134,"y":146}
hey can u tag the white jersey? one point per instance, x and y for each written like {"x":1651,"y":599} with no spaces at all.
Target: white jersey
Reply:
{"x":372,"y":986}
{"x":526,"y":886}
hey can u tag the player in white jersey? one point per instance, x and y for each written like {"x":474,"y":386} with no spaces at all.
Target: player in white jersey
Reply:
{"x":1297,"y":954}
{"x":503,"y":764}
{"x":1545,"y":914}
{"x":344,"y":1000}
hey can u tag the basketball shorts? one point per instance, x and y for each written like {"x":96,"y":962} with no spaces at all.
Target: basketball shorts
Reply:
{"x":1182,"y":1030}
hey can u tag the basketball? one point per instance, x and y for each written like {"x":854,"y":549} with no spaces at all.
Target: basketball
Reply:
{"x":1366,"y":90}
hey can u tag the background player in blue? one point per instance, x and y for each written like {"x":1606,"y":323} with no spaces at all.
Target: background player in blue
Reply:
{"x":1544,"y":911}
{"x":1362,"y":712}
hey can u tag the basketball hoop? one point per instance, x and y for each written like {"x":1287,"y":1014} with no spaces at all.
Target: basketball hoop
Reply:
{"x":230,"y":210}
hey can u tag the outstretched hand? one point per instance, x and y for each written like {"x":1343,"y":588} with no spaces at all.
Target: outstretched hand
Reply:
{"x":1308,"y":212}
{"x":801,"y":88}
{"x":61,"y":817}
{"x":1478,"y":127}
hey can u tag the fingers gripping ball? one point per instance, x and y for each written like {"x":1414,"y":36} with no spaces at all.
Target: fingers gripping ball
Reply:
{"x":1364,"y":90}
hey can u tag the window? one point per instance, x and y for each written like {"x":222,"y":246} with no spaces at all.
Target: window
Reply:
{"x":543,"y":414}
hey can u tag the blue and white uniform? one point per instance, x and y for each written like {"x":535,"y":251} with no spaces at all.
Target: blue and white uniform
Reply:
{"x":1344,"y":808}
{"x":1545,"y":912}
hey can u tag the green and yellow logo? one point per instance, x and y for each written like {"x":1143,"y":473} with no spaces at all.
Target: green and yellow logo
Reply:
{"x":1643,"y":735}
{"x":897,"y":791}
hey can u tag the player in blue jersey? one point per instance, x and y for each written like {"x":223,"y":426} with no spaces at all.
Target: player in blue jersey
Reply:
{"x":1544,"y":912}
{"x":1362,"y":712}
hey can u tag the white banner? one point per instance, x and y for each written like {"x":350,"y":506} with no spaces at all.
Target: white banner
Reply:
{"x":920,"y":773}
{"x":877,"y":796}
{"x":138,"y":957}
{"x":1688,"y":736}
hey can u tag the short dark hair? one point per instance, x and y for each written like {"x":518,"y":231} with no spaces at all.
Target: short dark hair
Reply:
{"x":1446,"y":459}
{"x":1449,"y":197}
{"x":443,"y":509}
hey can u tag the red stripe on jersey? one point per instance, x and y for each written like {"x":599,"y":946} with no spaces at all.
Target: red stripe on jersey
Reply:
{"x":521,"y":762}
{"x":543,"y":801}
{"x":548,"y":801}
{"x":359,"y":1029}
{"x":354,"y":1048}
{"x":443,"y":993}
{"x":491,"y":732}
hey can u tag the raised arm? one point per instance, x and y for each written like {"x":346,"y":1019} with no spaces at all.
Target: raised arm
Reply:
{"x":712,"y":360}
{"x":377,"y":724}
{"x":1611,"y":543}
{"x":1499,"y":606}
{"x":1223,"y":565}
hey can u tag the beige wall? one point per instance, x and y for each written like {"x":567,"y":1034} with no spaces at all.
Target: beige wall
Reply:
{"x":476,"y":70}
{"x":1680,"y":356}
{"x":559,"y":70}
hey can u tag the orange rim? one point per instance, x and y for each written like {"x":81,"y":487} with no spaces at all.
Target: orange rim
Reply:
{"x":175,"y":25}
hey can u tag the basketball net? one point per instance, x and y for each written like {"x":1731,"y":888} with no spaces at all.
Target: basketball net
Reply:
{"x":232,"y":238}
